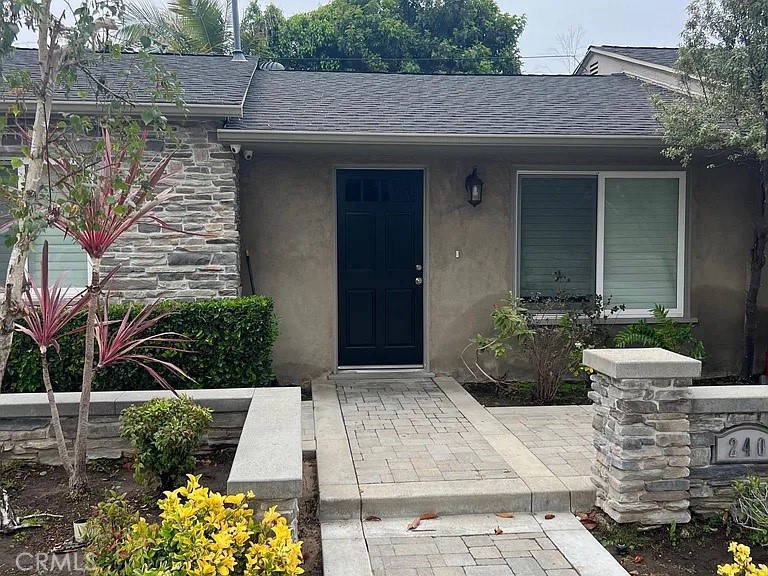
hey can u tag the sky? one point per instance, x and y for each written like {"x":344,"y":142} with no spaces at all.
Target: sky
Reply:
{"x":622,"y":22}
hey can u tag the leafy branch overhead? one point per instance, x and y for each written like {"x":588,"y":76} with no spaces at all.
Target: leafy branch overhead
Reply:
{"x":722,"y":115}
{"x":424,"y":37}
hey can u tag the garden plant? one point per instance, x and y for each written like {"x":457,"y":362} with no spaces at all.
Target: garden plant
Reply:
{"x":664,"y":333}
{"x":200,"y":533}
{"x":165,"y":432}
{"x":552,"y":331}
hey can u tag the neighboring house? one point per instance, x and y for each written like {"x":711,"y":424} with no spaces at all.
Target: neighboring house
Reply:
{"x":348,"y":192}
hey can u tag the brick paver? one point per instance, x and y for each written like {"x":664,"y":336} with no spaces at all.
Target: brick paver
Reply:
{"x":559,"y":436}
{"x":411,"y":432}
{"x":525,"y":554}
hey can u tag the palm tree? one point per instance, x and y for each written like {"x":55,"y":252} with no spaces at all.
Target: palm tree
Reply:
{"x":185,"y":26}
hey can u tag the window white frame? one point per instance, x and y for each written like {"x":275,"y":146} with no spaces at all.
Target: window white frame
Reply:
{"x":70,"y":291}
{"x":602,"y":175}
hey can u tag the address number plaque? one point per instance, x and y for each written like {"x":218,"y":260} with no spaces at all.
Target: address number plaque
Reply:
{"x":744,"y":443}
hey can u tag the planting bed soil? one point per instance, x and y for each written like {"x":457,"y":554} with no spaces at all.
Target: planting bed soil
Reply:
{"x":516,"y":393}
{"x":694,"y":549}
{"x":44,"y":489}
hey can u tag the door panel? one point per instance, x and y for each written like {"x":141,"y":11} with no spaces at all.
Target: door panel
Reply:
{"x":380,"y":247}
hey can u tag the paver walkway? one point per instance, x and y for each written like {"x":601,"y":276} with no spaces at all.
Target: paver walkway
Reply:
{"x":559,"y":436}
{"x":391,"y":449}
{"x":412,"y":432}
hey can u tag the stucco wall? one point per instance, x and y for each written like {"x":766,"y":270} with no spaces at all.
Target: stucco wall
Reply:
{"x":288,"y":225}
{"x":720,"y":237}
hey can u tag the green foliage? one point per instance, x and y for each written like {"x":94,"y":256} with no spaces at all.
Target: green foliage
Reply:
{"x":165,"y":432}
{"x":230,"y":346}
{"x":723,"y":51}
{"x":552,"y":331}
{"x":425,"y":37}
{"x":749,"y":511}
{"x":203,"y":533}
{"x":665,"y":333}
{"x":109,"y":525}
{"x":184,"y":26}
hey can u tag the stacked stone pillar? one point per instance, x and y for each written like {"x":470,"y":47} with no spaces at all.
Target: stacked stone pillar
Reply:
{"x":641,"y":433}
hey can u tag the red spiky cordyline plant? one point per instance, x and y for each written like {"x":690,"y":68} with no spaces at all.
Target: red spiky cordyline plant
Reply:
{"x":96,"y":205}
{"x":46,"y":314}
{"x":126,"y":343}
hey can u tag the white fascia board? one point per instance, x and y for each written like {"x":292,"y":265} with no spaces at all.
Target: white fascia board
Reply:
{"x":458,"y":140}
{"x":167,"y":108}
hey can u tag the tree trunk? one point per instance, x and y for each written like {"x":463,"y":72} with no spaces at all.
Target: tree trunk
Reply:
{"x":78,"y":481}
{"x":756,"y":264}
{"x":49,"y":58}
{"x":61,"y":443}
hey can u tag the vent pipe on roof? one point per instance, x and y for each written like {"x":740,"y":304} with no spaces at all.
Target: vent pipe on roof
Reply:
{"x":237,"y":52}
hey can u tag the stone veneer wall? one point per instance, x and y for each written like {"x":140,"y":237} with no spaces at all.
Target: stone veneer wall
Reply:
{"x":712,"y":409}
{"x":641,"y":435}
{"x":272,"y":469}
{"x":26,"y":432}
{"x":157,"y":262}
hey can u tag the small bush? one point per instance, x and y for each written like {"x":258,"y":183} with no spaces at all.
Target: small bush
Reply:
{"x":665,"y":333}
{"x":203,"y":533}
{"x":109,"y":526}
{"x":749,"y":511}
{"x":165,"y":432}
{"x":230,"y":346}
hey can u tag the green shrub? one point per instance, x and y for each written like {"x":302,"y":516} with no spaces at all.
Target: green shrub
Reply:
{"x":665,"y":333}
{"x":203,"y":533}
{"x":108,"y":527}
{"x":749,"y":511}
{"x":165,"y":432}
{"x":231,"y":346}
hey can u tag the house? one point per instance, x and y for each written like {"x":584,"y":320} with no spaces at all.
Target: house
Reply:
{"x":348,"y":192}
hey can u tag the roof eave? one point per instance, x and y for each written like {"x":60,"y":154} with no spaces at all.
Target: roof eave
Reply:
{"x":317,"y":138}
{"x":167,"y":108}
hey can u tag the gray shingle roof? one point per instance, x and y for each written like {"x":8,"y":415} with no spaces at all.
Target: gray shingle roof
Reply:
{"x":445,"y":104}
{"x":212,"y":80}
{"x":655,"y":55}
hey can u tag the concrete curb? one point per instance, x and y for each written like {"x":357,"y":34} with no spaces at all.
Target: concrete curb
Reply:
{"x":345,"y":552}
{"x":339,"y":492}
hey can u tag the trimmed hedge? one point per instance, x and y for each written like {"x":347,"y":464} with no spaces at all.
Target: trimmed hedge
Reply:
{"x":231,"y":347}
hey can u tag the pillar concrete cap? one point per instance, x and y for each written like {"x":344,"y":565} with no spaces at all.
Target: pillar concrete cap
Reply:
{"x":641,"y":363}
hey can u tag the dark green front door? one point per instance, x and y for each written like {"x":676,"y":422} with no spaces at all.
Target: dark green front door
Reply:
{"x":380,"y":263}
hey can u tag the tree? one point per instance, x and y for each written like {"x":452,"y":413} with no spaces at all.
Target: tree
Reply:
{"x":724,"y":66}
{"x":414,"y":36}
{"x":62,"y":177}
{"x":185,"y":26}
{"x":569,"y":46}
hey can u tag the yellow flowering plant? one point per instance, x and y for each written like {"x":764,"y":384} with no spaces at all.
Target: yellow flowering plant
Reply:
{"x":742,"y":563}
{"x":204,"y":533}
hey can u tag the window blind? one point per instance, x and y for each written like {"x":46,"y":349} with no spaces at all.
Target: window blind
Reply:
{"x":641,"y":241}
{"x":64,"y":257}
{"x":557,"y":234}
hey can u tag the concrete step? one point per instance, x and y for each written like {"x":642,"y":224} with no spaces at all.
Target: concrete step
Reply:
{"x":443,"y":498}
{"x":416,"y":374}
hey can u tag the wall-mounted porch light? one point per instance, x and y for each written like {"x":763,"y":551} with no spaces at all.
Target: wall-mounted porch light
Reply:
{"x":474,"y":187}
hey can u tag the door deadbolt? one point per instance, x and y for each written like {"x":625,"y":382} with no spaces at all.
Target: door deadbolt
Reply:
{"x":418,"y":267}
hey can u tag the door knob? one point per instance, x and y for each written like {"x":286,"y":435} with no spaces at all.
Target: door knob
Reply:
{"x":419,"y":281}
